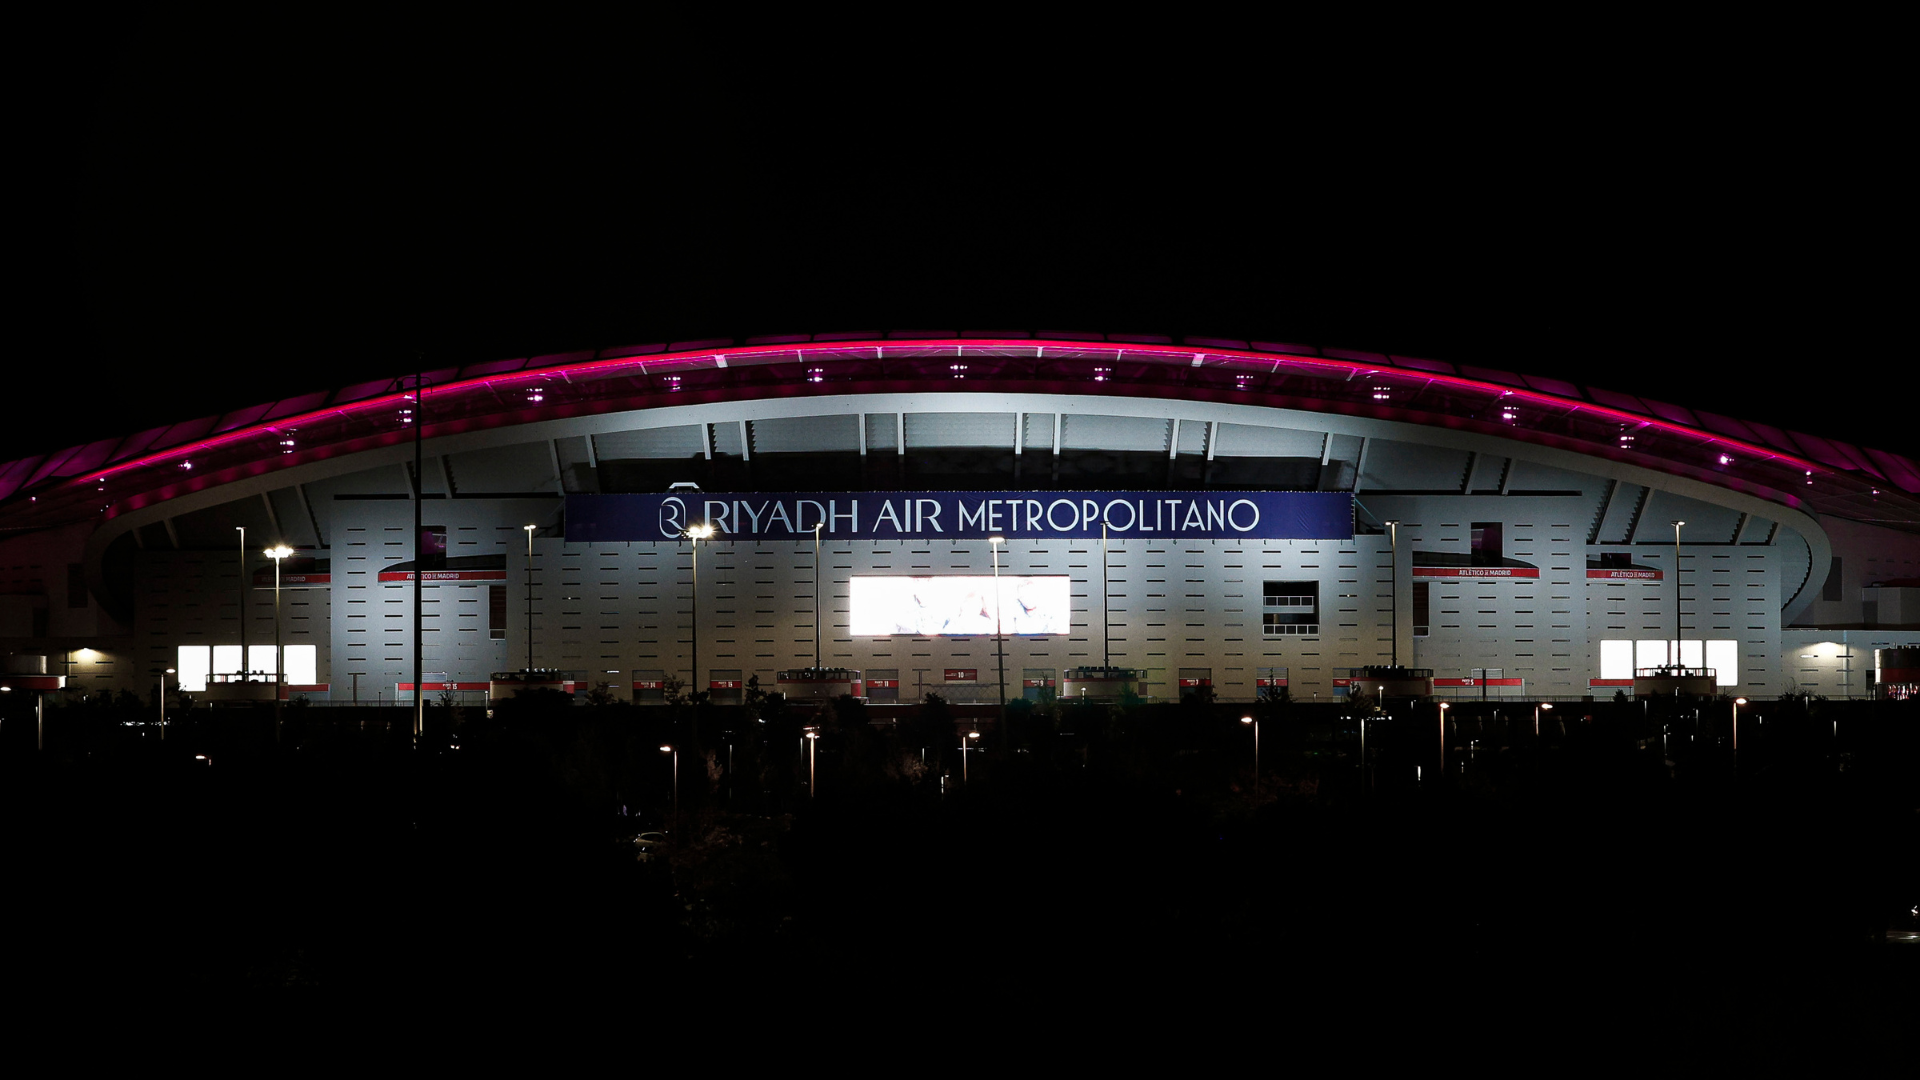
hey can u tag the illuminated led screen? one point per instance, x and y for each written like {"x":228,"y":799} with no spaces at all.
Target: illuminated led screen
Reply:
{"x":952,"y":606}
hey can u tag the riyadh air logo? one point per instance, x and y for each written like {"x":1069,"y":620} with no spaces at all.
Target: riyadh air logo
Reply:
{"x":673,"y":516}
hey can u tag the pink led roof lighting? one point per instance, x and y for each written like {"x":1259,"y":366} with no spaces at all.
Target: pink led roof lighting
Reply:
{"x":253,"y":440}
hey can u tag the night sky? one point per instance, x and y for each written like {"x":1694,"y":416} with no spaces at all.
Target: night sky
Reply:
{"x":225,"y":225}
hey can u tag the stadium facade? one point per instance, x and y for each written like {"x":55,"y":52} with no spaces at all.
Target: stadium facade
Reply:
{"x":1274,"y":515}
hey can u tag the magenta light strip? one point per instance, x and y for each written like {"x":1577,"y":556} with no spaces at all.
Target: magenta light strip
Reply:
{"x":1183,"y":356}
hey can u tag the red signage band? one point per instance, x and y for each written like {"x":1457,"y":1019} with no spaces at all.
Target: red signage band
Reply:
{"x":1196,"y":682}
{"x":884,"y":684}
{"x":1476,"y":571}
{"x":724,"y":684}
{"x":1625,"y":575}
{"x":1609,"y":682}
{"x":1270,"y":682}
{"x":33,"y":682}
{"x":649,"y":684}
{"x":1479,"y":682}
{"x":445,"y":575}
{"x":407,"y":687}
{"x":963,"y":674}
{"x":1899,"y":675}
{"x":1036,"y":682}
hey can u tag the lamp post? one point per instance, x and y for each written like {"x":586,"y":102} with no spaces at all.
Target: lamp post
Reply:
{"x":963,"y":754}
{"x":1256,"y":749}
{"x":1676,"y":596}
{"x":1393,"y":588}
{"x":999,"y":637}
{"x":697,"y":533}
{"x":813,"y":740}
{"x":816,"y":595}
{"x":669,"y":748}
{"x":1444,"y":706}
{"x":277,"y":553}
{"x":163,"y":703}
{"x":1363,"y":753}
{"x":1548,"y":705}
{"x":529,"y":529}
{"x":244,"y":590}
{"x":1737,"y":702}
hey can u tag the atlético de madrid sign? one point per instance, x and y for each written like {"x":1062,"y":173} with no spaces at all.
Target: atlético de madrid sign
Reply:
{"x":1017,"y":515}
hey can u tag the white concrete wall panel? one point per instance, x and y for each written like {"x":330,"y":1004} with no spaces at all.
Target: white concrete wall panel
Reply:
{"x":1250,"y":440}
{"x":674,"y":441}
{"x":1399,"y":466}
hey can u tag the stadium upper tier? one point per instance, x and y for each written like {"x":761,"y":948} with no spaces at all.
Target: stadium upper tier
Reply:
{"x":102,"y":479}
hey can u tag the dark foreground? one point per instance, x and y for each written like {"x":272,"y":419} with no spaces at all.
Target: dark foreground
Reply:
{"x":1573,"y":891}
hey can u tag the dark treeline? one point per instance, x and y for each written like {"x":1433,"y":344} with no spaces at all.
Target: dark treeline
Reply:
{"x":1624,"y":862}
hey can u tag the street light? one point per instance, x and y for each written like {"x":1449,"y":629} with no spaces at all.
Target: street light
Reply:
{"x":529,"y":529}
{"x":1737,"y":702}
{"x":669,"y":749}
{"x":1393,"y":588}
{"x":1548,"y":705}
{"x":816,"y":595}
{"x":1363,"y":752}
{"x":697,"y":533}
{"x":244,"y":596}
{"x":1676,"y":596}
{"x":963,"y":755}
{"x":1444,"y":706}
{"x":813,"y":740}
{"x":999,"y":638}
{"x":1256,"y":749}
{"x":163,"y":703}
{"x":277,"y":553}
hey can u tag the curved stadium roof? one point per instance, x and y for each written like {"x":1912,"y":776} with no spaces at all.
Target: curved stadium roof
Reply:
{"x":100,"y":480}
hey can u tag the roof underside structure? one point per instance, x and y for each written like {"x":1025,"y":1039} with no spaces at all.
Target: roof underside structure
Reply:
{"x":101,"y":480}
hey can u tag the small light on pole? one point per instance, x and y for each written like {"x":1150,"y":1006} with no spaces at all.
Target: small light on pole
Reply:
{"x":530,"y":530}
{"x":163,"y":703}
{"x":813,"y":740}
{"x":277,"y":553}
{"x":697,"y":533}
{"x":963,"y":755}
{"x":1444,"y":706}
{"x":669,"y":748}
{"x":816,"y":594}
{"x":1548,"y":705}
{"x":1737,"y":702}
{"x":1676,"y":596}
{"x":1256,"y":749}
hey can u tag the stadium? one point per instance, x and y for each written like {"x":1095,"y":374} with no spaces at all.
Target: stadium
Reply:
{"x":981,"y":515}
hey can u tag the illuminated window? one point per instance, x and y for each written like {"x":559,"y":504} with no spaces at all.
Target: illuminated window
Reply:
{"x":193,"y":663}
{"x":1723,"y":656}
{"x":959,"y":605}
{"x":1616,"y":659}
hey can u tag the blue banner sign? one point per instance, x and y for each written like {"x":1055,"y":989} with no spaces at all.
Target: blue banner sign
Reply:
{"x":974,"y":515}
